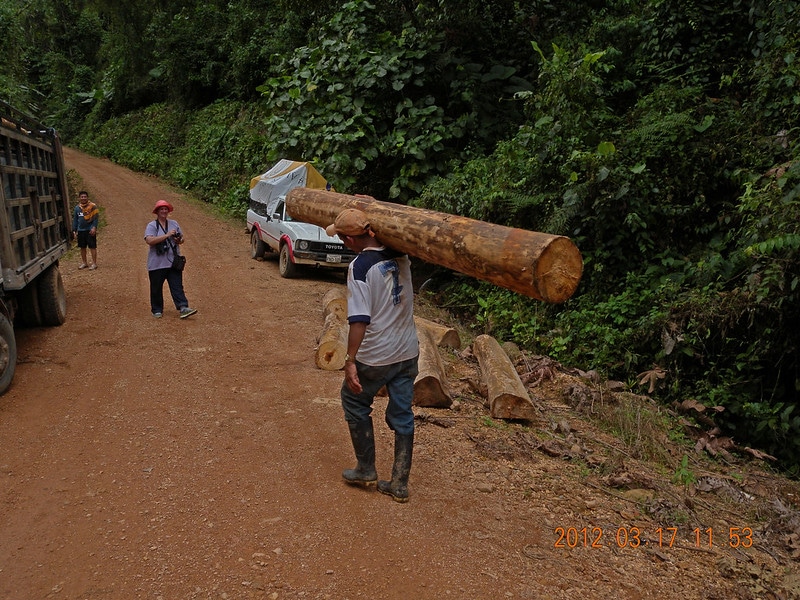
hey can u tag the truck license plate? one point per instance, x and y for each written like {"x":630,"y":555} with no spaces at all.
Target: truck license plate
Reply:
{"x":333,"y":258}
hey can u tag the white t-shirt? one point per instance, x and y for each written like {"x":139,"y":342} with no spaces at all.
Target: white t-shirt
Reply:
{"x":380,"y":294}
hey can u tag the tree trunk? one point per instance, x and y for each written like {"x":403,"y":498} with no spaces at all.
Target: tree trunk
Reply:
{"x":542,"y":266}
{"x":332,"y":347}
{"x":507,"y":396}
{"x":335,"y":301}
{"x":430,"y":386}
{"x":441,"y":335}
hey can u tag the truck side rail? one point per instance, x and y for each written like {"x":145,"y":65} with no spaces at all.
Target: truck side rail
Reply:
{"x":35,"y":223}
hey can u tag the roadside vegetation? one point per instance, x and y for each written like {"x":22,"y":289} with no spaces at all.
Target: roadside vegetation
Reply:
{"x":661,"y":136}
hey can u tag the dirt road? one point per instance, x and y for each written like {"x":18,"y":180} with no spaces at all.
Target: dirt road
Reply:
{"x":201,"y":458}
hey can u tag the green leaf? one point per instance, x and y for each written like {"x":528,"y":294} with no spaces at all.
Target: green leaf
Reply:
{"x":707,"y":121}
{"x":606,"y":148}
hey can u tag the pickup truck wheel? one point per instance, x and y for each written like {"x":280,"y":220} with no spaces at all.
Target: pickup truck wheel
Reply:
{"x":8,"y":353}
{"x":286,"y":267}
{"x":257,"y":246}
{"x":52,"y":297}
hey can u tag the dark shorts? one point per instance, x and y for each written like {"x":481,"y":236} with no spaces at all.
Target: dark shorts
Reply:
{"x":86,"y":241}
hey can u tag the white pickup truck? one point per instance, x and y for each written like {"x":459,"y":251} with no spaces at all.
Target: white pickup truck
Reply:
{"x":296,"y":243}
{"x":272,"y":230}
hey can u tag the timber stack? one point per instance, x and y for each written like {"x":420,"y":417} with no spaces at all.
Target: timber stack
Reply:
{"x":539,"y":265}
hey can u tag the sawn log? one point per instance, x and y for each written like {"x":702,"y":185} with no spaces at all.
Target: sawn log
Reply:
{"x":539,"y":265}
{"x":430,"y":386}
{"x":332,"y":346}
{"x":508,"y":397}
{"x":440,"y":334}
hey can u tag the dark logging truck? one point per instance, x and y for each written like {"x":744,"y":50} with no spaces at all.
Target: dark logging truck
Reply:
{"x":36,"y":231}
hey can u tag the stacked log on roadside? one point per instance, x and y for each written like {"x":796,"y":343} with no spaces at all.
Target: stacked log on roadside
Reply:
{"x":430,"y":386}
{"x":332,"y":343}
{"x":507,"y":397}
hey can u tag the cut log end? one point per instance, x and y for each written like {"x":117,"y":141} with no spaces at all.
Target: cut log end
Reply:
{"x":429,"y":392}
{"x":440,"y":334}
{"x":558,"y":271}
{"x":506,"y":406}
{"x":330,"y":356}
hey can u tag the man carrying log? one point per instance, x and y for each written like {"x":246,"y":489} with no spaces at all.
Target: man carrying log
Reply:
{"x":382,"y":349}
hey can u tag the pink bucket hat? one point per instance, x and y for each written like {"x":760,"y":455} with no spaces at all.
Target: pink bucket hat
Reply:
{"x":161,"y":203}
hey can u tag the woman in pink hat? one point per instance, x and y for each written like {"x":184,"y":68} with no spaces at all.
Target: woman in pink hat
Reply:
{"x":164,"y":236}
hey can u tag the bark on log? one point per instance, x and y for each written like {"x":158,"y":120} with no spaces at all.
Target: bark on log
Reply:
{"x":332,"y":347}
{"x":430,"y":386}
{"x":507,"y":396}
{"x":542,"y":266}
{"x":441,"y":335}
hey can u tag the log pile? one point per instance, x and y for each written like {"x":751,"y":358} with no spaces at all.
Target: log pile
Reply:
{"x":542,"y":266}
{"x":507,"y":396}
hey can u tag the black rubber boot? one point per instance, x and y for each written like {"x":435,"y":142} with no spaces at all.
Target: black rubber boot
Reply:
{"x":397,"y":488}
{"x":363,"y":438}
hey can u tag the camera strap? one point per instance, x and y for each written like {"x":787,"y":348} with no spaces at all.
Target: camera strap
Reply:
{"x":168,"y":241}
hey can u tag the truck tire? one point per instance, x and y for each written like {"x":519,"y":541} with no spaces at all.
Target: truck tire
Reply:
{"x":52,"y":297}
{"x":257,"y":246}
{"x":8,"y":353}
{"x":286,"y":267}
{"x":28,"y":313}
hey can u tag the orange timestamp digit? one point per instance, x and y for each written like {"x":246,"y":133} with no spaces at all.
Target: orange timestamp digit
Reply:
{"x":664,"y":533}
{"x":738,"y":537}
{"x":634,"y":537}
{"x":572,"y":537}
{"x":623,"y":537}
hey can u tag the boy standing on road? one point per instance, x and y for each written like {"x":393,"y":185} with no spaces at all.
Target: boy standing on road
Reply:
{"x":84,"y":228}
{"x":382,"y":349}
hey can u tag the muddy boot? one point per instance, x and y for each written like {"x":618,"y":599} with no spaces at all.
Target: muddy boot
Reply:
{"x":397,"y":488}
{"x":363,"y":438}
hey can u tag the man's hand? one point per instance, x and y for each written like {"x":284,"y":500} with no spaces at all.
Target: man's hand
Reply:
{"x":351,"y":377}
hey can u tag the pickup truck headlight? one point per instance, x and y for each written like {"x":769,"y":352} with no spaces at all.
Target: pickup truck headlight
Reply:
{"x":302,"y":244}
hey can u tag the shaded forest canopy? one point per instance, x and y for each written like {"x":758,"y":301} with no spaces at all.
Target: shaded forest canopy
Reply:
{"x":661,"y":136}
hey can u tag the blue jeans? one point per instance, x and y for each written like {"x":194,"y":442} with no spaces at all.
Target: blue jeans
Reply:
{"x":399,"y":381}
{"x":175,"y":281}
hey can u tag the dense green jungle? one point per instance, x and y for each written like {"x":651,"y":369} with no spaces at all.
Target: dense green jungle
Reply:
{"x":661,"y":136}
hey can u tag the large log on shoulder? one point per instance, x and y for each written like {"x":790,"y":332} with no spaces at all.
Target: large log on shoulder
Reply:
{"x":539,"y":265}
{"x":508,"y":397}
